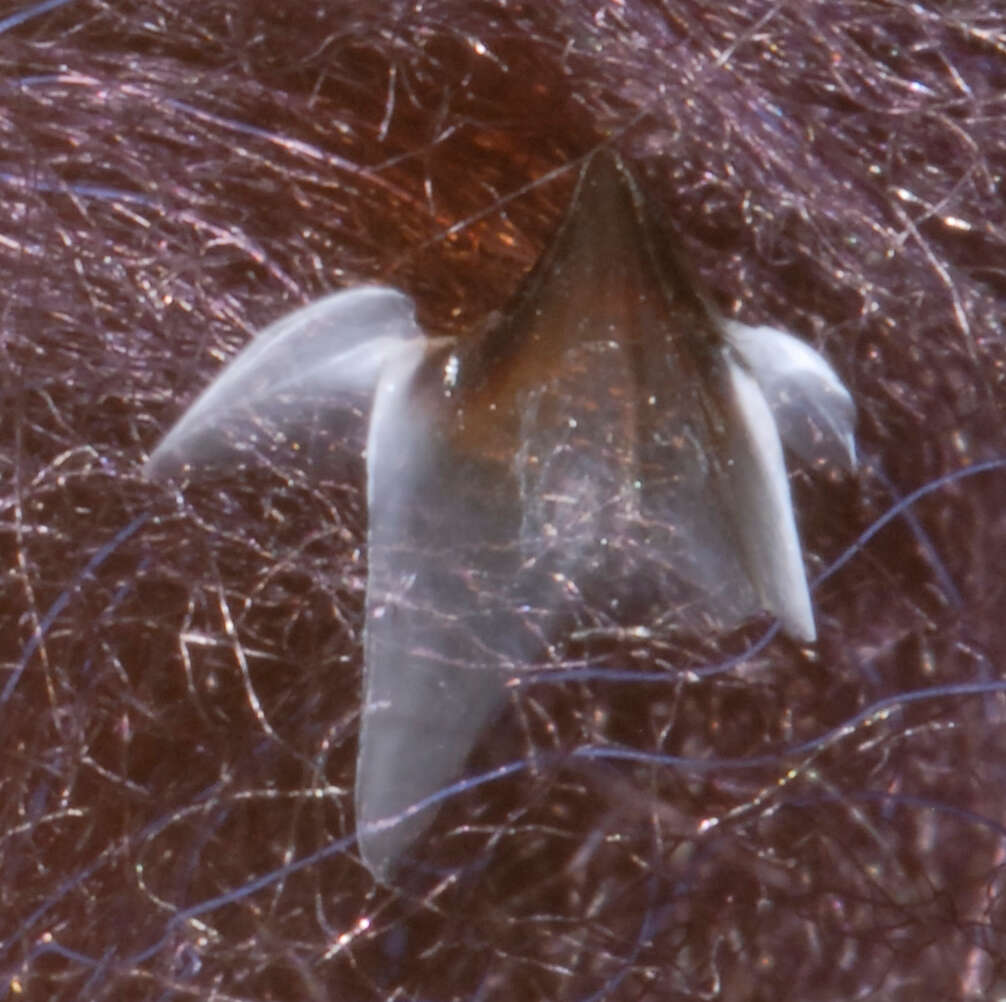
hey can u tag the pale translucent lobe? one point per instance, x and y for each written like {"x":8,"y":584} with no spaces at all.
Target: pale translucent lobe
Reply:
{"x":437,"y":600}
{"x":336,"y":345}
{"x":759,"y":486}
{"x":814,"y":412}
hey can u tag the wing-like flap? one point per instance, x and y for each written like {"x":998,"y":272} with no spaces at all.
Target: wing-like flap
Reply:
{"x":813,"y":410}
{"x":758,"y":488}
{"x":335,"y":346}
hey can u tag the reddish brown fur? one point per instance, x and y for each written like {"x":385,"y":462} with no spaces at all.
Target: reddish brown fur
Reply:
{"x":179,"y":699}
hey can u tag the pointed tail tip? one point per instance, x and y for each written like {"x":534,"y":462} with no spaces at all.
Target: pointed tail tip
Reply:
{"x":797,"y":619}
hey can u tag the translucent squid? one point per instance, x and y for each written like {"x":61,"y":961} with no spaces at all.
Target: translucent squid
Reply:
{"x":608,"y":441}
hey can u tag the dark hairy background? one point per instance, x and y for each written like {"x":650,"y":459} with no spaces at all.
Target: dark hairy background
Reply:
{"x":179,"y":679}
